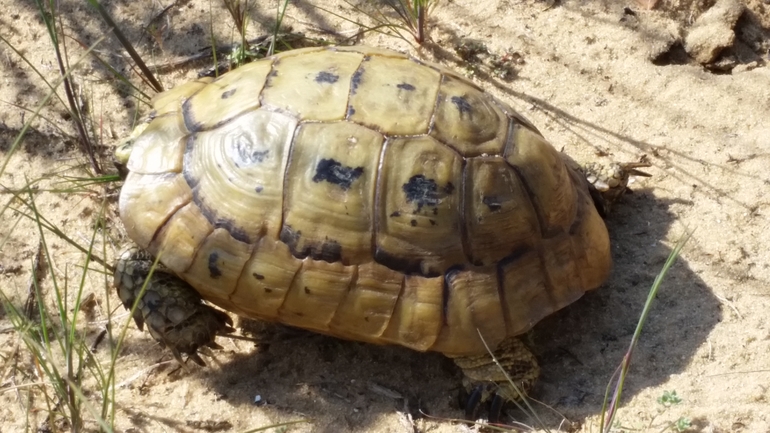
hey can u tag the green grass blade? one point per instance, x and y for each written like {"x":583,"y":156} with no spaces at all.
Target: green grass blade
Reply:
{"x":609,"y":412}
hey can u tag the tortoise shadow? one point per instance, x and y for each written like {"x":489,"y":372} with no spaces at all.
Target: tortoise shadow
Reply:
{"x":348,"y":386}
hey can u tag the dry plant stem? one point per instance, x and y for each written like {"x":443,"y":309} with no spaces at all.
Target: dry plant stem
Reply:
{"x":37,"y":275}
{"x":75,"y":111}
{"x":519,"y":394}
{"x":622,"y":370}
{"x":127,"y":45}
{"x":420,"y":23}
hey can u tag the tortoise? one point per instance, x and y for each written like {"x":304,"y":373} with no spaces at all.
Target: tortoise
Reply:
{"x":364,"y":194}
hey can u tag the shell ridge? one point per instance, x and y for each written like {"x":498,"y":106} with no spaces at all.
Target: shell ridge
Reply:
{"x":532,"y":200}
{"x":241,"y":275}
{"x":351,"y":285}
{"x":285,"y":182}
{"x":169,"y":217}
{"x":462,"y":209}
{"x":281,"y":312}
{"x":378,"y":191}
{"x":548,"y":284}
{"x":401,"y":291}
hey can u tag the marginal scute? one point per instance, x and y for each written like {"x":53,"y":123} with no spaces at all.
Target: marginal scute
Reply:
{"x":468,"y":120}
{"x":202,"y":114}
{"x":180,"y":237}
{"x":526,"y":299}
{"x":171,"y":100}
{"x":376,"y":97}
{"x":366,"y":309}
{"x":417,"y":316}
{"x":590,"y":243}
{"x":315,"y":294}
{"x":265,"y":280}
{"x":149,"y":200}
{"x":218,"y":264}
{"x":473,"y":307}
{"x":565,"y":284}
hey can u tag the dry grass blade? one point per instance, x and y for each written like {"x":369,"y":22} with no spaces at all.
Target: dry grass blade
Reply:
{"x":148,"y":75}
{"x":237,"y":10}
{"x":410,"y":18}
{"x":413,"y":14}
{"x":49,"y":18}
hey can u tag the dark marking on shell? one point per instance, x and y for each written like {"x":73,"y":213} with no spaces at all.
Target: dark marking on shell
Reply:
{"x":259,"y":188}
{"x":463,"y":106}
{"x":214,"y":271}
{"x":432,"y":222}
{"x":400,"y":263}
{"x":425,"y":192}
{"x":268,"y":290}
{"x":235,"y":231}
{"x":413,"y":223}
{"x":228,"y":93}
{"x":351,"y":111}
{"x":289,"y":236}
{"x":406,"y":86}
{"x":213,"y":217}
{"x":335,"y":173}
{"x":355,"y":79}
{"x":258,"y":276}
{"x":246,"y":153}
{"x":326,"y":77}
{"x":329,"y":250}
{"x":395,"y":214}
{"x":307,"y":291}
{"x":187,"y":115}
{"x":492,"y":202}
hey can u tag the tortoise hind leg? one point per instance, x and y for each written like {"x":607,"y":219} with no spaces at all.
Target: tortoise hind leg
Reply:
{"x":485,"y":382}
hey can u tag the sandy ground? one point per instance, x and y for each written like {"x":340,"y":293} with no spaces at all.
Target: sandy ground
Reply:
{"x":602,"y":79}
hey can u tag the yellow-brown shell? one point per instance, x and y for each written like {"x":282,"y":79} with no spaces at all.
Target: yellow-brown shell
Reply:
{"x":364,"y":194}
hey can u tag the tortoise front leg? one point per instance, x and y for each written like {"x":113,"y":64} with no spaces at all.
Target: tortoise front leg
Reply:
{"x":484,"y":380}
{"x":174,"y":312}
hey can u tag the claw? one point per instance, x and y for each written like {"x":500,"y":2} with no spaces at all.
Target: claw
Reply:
{"x":473,"y":402}
{"x":631,"y":168}
{"x":496,"y":408}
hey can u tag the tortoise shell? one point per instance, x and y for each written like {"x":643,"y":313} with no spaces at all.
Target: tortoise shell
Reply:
{"x":364,"y":194}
